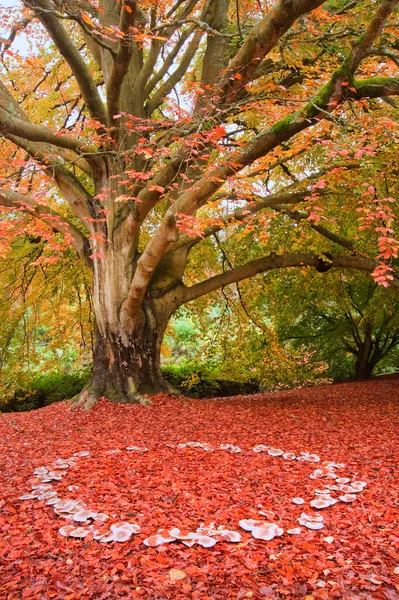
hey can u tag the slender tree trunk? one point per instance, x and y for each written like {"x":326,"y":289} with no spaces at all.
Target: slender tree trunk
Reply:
{"x":364,"y":364}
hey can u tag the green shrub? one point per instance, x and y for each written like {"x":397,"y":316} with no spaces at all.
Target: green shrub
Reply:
{"x":45,"y":390}
{"x":200,"y":380}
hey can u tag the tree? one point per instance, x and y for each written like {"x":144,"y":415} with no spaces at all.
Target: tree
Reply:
{"x":144,"y":128}
{"x":342,"y":317}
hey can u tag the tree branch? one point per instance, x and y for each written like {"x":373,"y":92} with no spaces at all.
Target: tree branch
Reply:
{"x":59,"y":35}
{"x":121,"y":60}
{"x":49,"y":216}
{"x":272,"y":262}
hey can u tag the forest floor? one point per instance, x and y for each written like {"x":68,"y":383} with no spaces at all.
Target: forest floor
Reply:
{"x":355,"y":555}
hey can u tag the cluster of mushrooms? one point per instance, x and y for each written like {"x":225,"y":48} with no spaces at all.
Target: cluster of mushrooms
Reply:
{"x":82,"y":521}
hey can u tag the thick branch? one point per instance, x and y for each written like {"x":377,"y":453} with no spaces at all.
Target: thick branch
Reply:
{"x":263,"y":37}
{"x":121,"y":60}
{"x":39,"y":133}
{"x":44,"y":11}
{"x":272,"y":262}
{"x":49,"y":216}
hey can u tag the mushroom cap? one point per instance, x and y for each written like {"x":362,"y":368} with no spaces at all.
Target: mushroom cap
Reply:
{"x":298,"y":501}
{"x":322,"y":502}
{"x":289,"y":456}
{"x":132,"y":527}
{"x":342,"y":480}
{"x":107,"y":537}
{"x":294,"y":531}
{"x":358,"y":485}
{"x":350,"y":489}
{"x":52,"y":501}
{"x":203,"y":540}
{"x":79,"y":532}
{"x":158,"y":539}
{"x":318,"y":518}
{"x":275,"y":452}
{"x":66,"y":530}
{"x":27,"y":497}
{"x":310,"y":524}
{"x":348,"y":497}
{"x":121,"y":534}
{"x":83,"y":515}
{"x":226,"y":535}
{"x":267,"y":532}
{"x":82,"y":454}
{"x":180,"y":535}
{"x":47,"y":495}
{"x":260,"y":448}
{"x":249,"y":524}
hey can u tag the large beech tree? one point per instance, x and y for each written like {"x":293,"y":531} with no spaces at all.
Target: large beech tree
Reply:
{"x":139,"y":128}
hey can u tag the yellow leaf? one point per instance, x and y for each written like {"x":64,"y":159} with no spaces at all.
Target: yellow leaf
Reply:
{"x":87,"y":19}
{"x":176,"y":575}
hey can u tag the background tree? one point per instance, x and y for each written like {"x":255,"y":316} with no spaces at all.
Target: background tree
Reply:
{"x":138,"y":131}
{"x":348,"y":324}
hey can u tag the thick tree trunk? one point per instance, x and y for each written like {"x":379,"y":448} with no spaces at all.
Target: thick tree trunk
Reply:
{"x":125,"y":367}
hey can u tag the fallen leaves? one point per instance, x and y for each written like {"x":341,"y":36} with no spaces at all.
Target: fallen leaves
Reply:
{"x":192,"y":487}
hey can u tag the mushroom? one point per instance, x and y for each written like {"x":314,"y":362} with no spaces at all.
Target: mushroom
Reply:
{"x":322,"y":502}
{"x":82,"y":454}
{"x":289,"y":456}
{"x":84,"y":515}
{"x":260,"y":448}
{"x":132,"y":527}
{"x":294,"y":531}
{"x":348,"y":497}
{"x":275,"y":452}
{"x":47,"y":495}
{"x":66,"y":530}
{"x":249,"y":524}
{"x":358,"y":485}
{"x":342,"y":480}
{"x":298,"y":501}
{"x":80,"y":532}
{"x":179,"y":535}
{"x":27,"y":497}
{"x":121,"y":534}
{"x":157,"y":539}
{"x":310,"y":524}
{"x":267,"y":531}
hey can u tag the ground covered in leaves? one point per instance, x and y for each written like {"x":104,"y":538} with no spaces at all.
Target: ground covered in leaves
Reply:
{"x":355,"y":555}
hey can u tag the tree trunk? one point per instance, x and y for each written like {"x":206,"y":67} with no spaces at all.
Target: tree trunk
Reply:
{"x":127,"y":366}
{"x":126,"y":358}
{"x":364,"y":364}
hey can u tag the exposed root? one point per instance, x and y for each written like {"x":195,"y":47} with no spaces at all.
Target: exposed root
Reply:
{"x":86,"y":399}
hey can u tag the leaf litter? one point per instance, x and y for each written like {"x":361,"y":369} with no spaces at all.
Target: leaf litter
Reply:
{"x":350,"y":431}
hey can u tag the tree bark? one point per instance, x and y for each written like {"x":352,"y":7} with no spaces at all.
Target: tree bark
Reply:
{"x":127,"y":366}
{"x":366,"y":357}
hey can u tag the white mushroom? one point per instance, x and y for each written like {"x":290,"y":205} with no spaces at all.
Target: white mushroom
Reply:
{"x":294,"y":531}
{"x":80,"y":532}
{"x":83,"y":515}
{"x":298,"y":501}
{"x":348,"y":497}
{"x":121,"y":534}
{"x":157,"y":539}
{"x":249,"y":524}
{"x":267,"y":532}
{"x":322,"y":502}
{"x":132,"y":527}
{"x":289,"y":456}
{"x":275,"y":452}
